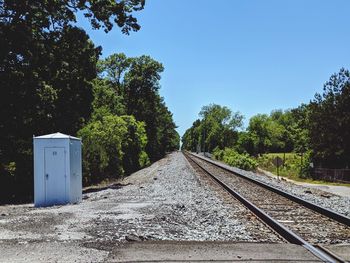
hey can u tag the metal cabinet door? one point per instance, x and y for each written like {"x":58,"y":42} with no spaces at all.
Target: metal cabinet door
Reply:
{"x":55,"y":175}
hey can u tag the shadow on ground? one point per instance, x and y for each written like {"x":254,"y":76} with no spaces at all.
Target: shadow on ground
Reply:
{"x":97,"y":189}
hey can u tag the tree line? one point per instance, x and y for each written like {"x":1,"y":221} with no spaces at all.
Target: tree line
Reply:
{"x":52,"y":79}
{"x":130,"y":125}
{"x":319,"y":129}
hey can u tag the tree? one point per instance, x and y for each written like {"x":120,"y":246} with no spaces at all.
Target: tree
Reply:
{"x":114,"y":67}
{"x":272,"y":133}
{"x":169,"y":138}
{"x":106,"y":99}
{"x":47,"y":91}
{"x":142,"y":100}
{"x":133,"y":145}
{"x":218,"y":128}
{"x":54,"y":15}
{"x":133,"y":85}
{"x":329,"y":122}
{"x":113,"y":146}
{"x":191,"y":138}
{"x":287,"y":120}
{"x":258,"y":128}
{"x":46,"y":68}
{"x":246,"y":143}
{"x":102,"y":149}
{"x":300,"y":132}
{"x":219,"y":125}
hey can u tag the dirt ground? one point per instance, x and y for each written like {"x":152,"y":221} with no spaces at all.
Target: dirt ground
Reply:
{"x":166,"y":201}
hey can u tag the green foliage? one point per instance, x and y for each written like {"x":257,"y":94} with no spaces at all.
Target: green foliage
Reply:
{"x":147,"y":133}
{"x":329,"y":123}
{"x":141,"y":95}
{"x":143,"y":159}
{"x":133,"y":145}
{"x":318,"y":131}
{"x":300,"y":133}
{"x":112,"y":147}
{"x":246,"y":143}
{"x":218,"y":126}
{"x":102,"y":149}
{"x":45,"y":88}
{"x":267,"y":132}
{"x":233,"y":158}
{"x":55,"y":14}
{"x":190,"y":139}
{"x":174,"y":141}
{"x":114,"y":67}
{"x":10,"y":168}
{"x":46,"y":68}
{"x":168,"y":137}
{"x":216,"y":129}
{"x":305,"y":168}
{"x":136,"y":81}
{"x":295,"y":165}
{"x":281,"y":131}
{"x":106,"y":99}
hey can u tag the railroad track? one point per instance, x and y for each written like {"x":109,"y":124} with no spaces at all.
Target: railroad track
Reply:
{"x":296,"y":220}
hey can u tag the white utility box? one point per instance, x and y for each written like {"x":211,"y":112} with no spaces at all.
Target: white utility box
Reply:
{"x":57,"y":169}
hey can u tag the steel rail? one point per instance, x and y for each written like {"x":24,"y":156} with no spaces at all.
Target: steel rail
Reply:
{"x":321,"y":210}
{"x":274,"y":224}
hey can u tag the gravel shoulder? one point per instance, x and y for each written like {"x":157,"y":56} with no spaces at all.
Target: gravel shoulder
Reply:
{"x":166,"y":201}
{"x":333,"y":189}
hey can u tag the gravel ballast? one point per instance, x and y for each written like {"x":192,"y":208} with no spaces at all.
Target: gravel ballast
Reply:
{"x":166,"y":201}
{"x":339,"y":204}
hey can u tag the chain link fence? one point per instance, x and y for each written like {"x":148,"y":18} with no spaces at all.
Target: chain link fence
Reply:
{"x":332,"y":175}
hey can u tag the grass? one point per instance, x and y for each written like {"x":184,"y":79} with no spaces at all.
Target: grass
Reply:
{"x":291,"y":168}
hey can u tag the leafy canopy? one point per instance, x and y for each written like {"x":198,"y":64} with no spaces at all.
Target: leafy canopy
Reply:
{"x":329,"y":122}
{"x":47,"y":65}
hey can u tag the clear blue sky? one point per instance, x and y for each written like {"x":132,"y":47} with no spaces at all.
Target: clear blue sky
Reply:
{"x":252,"y":56}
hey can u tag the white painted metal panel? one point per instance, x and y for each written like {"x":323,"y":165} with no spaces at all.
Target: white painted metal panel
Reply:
{"x":75,"y":171}
{"x":57,"y":169}
{"x":55,"y":176}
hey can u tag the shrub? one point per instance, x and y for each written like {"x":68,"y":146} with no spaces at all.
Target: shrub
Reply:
{"x":102,"y":148}
{"x":305,"y":169}
{"x":294,"y":165}
{"x":112,"y":145}
{"x":233,"y":158}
